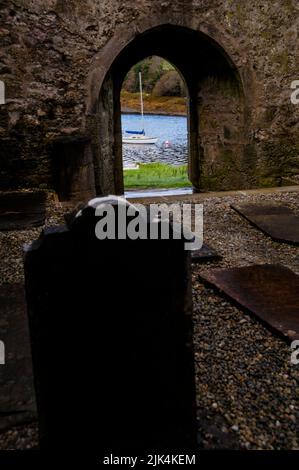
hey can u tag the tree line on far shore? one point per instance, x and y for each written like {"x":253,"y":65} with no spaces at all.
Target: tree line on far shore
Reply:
{"x":159,"y":78}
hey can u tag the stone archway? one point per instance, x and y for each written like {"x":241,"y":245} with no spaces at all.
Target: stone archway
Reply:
{"x":218,"y":140}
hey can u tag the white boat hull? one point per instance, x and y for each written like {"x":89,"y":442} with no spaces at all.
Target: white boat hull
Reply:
{"x":143,"y":139}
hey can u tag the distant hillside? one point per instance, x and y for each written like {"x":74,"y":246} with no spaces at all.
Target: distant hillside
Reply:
{"x":159,"y":78}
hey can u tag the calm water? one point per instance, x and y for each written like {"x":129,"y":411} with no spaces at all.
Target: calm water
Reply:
{"x":171,"y":128}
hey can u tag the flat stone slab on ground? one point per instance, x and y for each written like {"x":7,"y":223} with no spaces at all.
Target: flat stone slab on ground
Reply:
{"x":204,"y":254}
{"x":277,"y":221}
{"x":269,"y":291}
{"x":17,"y":398}
{"x":22,"y":210}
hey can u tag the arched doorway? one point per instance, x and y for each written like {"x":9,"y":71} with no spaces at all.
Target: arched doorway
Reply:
{"x":216,"y":108}
{"x":153,"y":101}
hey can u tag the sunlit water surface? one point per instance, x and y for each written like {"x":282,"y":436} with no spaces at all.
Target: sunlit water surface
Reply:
{"x":166,"y":128}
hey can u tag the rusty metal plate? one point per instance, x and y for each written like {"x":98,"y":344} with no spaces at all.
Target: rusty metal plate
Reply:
{"x":17,"y":398}
{"x":204,"y":254}
{"x":22,"y":210}
{"x":277,"y":221}
{"x":270,"y":291}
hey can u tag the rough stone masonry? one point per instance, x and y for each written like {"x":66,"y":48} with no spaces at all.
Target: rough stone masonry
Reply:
{"x":63,"y":63}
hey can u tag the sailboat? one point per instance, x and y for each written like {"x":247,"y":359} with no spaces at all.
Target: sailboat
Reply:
{"x":139,"y":137}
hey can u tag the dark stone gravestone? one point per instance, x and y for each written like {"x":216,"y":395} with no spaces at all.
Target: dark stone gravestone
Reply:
{"x":22,"y":210}
{"x":275,"y":220}
{"x":111,"y":332}
{"x":204,"y":254}
{"x":268,"y":291}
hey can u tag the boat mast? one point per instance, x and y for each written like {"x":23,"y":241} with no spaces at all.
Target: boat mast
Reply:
{"x":141,"y":101}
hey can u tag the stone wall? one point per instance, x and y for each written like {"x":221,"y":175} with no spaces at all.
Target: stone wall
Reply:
{"x":55,"y":55}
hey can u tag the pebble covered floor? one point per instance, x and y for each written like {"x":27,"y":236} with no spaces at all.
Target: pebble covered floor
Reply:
{"x":247,"y":389}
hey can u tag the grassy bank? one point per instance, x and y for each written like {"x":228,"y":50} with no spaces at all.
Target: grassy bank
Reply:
{"x":170,"y":105}
{"x":156,"y":175}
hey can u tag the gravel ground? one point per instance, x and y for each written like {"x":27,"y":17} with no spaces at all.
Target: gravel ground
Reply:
{"x":247,"y":390}
{"x":245,"y":381}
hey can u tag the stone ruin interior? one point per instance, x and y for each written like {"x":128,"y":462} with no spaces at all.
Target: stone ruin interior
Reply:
{"x":141,"y":344}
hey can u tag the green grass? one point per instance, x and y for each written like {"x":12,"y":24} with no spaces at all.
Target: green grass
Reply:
{"x":157,"y":175}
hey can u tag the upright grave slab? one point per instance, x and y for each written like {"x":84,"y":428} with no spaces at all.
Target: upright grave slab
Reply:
{"x":111,"y":334}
